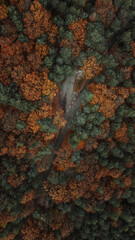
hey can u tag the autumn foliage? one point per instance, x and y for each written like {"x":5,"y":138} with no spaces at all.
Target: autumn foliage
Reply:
{"x":67,"y":174}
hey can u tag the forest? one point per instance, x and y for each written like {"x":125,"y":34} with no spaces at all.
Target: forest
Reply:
{"x":67,"y":119}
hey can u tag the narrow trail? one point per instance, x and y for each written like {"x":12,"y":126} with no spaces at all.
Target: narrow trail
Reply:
{"x":70,"y":112}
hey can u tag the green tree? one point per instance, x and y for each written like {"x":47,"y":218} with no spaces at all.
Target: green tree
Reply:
{"x":66,"y":54}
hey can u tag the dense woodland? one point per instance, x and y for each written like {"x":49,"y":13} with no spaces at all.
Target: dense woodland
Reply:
{"x":85,"y":187}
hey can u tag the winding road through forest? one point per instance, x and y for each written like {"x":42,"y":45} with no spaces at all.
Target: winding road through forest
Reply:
{"x":70,"y":102}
